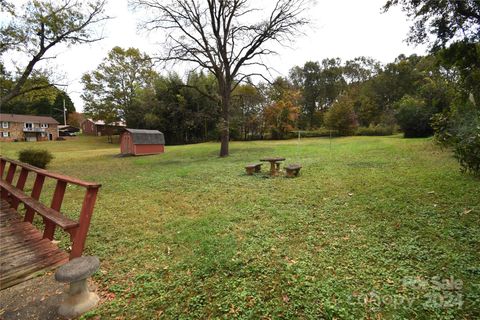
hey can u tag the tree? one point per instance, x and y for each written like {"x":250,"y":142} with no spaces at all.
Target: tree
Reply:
{"x":341,"y":116}
{"x":446,"y":20}
{"x":308,"y":81}
{"x":463,"y":59}
{"x":45,"y":102}
{"x":413,"y":116}
{"x":75,"y":119}
{"x":361,"y":69}
{"x":219,"y":36}
{"x":203,"y":111}
{"x":247,"y":102}
{"x":173,"y":115}
{"x":110,"y":90}
{"x":281,"y":116}
{"x":43,"y":25}
{"x":332,"y":82}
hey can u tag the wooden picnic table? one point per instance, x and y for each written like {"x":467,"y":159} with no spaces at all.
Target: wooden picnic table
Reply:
{"x":274,"y":164}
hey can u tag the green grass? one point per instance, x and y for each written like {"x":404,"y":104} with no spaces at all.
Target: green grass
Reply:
{"x":188,"y":235}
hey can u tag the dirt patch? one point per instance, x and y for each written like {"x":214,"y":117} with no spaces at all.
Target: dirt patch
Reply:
{"x":37,"y":298}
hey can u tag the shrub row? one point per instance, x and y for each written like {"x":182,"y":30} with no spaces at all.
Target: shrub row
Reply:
{"x":375,"y":131}
{"x":360,"y":131}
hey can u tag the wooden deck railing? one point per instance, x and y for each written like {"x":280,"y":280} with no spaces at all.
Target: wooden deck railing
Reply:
{"x":52,"y":217}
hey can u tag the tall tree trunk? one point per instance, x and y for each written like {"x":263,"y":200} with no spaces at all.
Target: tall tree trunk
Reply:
{"x":224,"y":122}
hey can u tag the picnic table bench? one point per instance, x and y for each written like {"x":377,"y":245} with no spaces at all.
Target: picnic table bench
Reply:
{"x":293,"y":170}
{"x":24,"y":250}
{"x":254,"y":167}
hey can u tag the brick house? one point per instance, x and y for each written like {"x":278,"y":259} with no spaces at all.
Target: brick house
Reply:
{"x":99,"y":128}
{"x":20,"y":127}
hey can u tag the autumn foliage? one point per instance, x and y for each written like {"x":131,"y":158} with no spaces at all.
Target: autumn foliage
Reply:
{"x":281,"y":116}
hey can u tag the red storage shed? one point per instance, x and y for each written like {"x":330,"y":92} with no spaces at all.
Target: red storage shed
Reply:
{"x":142,"y":142}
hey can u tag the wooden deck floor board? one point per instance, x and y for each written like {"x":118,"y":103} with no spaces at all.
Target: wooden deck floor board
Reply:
{"x":23,"y":252}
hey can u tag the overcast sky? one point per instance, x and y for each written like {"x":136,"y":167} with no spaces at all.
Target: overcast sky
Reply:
{"x":340,"y":28}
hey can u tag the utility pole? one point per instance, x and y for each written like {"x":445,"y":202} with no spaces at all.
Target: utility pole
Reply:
{"x":64,"y":111}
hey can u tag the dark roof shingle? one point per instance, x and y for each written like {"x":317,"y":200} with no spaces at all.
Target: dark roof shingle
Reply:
{"x":26,"y":118}
{"x":143,"y":136}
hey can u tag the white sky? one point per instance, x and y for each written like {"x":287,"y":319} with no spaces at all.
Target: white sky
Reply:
{"x":341,"y":28}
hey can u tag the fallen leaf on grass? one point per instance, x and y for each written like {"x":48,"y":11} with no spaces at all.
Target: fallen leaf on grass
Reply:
{"x":285,"y":298}
{"x":290,"y":261}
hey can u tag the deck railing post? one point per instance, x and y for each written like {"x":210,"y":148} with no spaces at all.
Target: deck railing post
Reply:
{"x":84,"y":222}
{"x":56,"y":205}
{"x":22,"y":179}
{"x":9,"y":179}
{"x":37,"y":190}
{"x":11,"y":172}
{"x":3,"y":164}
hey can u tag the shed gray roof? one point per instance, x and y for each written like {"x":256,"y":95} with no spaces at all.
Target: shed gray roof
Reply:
{"x":143,"y":136}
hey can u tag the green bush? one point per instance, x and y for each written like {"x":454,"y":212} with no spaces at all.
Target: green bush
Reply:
{"x":35,"y":157}
{"x":467,"y":150}
{"x":375,"y":131}
{"x":413,"y":117}
{"x":441,"y":124}
{"x":466,"y":137}
{"x":459,"y":128}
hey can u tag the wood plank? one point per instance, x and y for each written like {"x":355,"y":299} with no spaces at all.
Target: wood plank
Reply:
{"x":23,"y":252}
{"x":15,"y":266}
{"x":27,"y":271}
{"x":53,"y":175}
{"x":27,"y":276}
{"x":21,"y":235}
{"x":17,"y":228}
{"x":16,"y":243}
{"x":25,"y":248}
{"x":46,"y":212}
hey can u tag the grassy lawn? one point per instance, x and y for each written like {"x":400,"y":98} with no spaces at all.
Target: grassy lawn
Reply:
{"x":372,"y":229}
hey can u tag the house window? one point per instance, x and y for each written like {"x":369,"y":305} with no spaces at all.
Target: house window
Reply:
{"x":43,"y":134}
{"x":5,"y":124}
{"x":28,"y":125}
{"x":44,"y":125}
{"x":5,"y":134}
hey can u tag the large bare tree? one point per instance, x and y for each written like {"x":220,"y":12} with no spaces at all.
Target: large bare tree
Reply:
{"x":41,"y":26}
{"x":226,"y":37}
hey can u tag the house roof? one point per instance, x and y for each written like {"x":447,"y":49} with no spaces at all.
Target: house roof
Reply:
{"x":26,"y":118}
{"x":102,"y":123}
{"x":68,"y":128}
{"x":142,"y":136}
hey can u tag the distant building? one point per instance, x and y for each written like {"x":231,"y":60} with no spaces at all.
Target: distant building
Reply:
{"x":67,"y":130}
{"x":19,"y":127}
{"x":99,"y":128}
{"x":142,"y":142}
